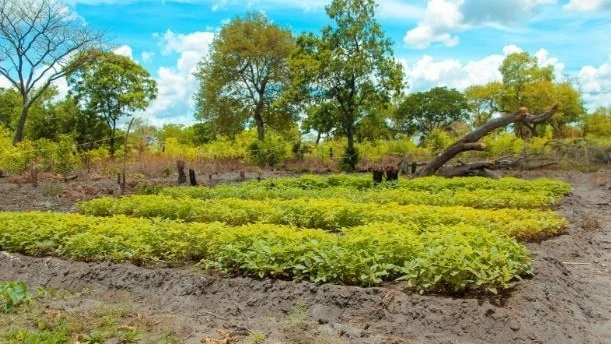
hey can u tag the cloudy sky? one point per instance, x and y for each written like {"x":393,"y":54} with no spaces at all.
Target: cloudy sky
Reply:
{"x":453,"y":43}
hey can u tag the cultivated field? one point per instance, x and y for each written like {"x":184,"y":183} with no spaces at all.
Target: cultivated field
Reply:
{"x":319,"y":259}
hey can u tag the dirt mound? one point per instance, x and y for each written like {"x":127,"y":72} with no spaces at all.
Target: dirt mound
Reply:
{"x":568,"y":300}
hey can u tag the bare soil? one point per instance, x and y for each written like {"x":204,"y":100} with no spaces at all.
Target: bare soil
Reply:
{"x":567,"y":301}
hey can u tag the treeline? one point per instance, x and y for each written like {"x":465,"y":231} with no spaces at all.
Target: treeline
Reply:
{"x":265,"y":93}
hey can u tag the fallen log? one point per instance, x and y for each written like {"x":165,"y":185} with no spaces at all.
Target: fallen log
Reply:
{"x":471,"y":141}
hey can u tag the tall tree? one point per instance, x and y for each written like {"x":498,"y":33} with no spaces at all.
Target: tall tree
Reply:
{"x":244,"y":75}
{"x":437,"y":108}
{"x":527,"y":84}
{"x":112,"y":87}
{"x":37,"y":39}
{"x":351,"y":65}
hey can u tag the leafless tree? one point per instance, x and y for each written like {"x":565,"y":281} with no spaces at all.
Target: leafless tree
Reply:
{"x":37,"y":40}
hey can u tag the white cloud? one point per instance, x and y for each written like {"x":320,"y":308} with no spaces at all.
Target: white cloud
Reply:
{"x":427,"y":72}
{"x":545,"y":60}
{"x":124,"y":50}
{"x":588,"y":5}
{"x":444,"y":19}
{"x":147,"y":56}
{"x":595,"y":83}
{"x":441,"y":18}
{"x":176,"y":84}
{"x":393,"y":9}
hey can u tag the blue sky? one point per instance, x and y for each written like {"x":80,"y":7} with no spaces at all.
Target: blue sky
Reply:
{"x":455,"y":43}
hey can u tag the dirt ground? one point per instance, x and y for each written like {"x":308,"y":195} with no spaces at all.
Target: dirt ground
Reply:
{"x":567,"y":301}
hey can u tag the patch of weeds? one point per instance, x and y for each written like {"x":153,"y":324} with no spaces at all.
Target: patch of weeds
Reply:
{"x":38,"y":323}
{"x":167,"y":338}
{"x":13,"y":294}
{"x":298,"y":315}
{"x":51,"y":190}
{"x":257,"y":337}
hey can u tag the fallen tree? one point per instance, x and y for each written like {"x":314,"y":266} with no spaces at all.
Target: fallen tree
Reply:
{"x":471,"y":142}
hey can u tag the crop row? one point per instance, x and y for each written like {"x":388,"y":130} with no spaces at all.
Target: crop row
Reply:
{"x":453,"y":258}
{"x":486,"y":198}
{"x":430,"y":184}
{"x":328,"y":214}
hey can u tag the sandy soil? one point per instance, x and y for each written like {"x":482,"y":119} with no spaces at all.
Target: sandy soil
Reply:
{"x":567,"y":301}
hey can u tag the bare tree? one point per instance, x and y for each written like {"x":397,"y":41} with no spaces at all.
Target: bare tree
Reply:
{"x":37,"y":40}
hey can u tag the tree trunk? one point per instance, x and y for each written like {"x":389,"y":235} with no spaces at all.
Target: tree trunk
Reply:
{"x":21,"y":124}
{"x":259,"y":122}
{"x":182,"y":177}
{"x":112,"y":138}
{"x":350,"y":159}
{"x":470,"y":141}
{"x":192,"y":177}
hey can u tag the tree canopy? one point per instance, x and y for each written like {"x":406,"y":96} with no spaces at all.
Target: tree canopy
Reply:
{"x":112,"y":87}
{"x":350,"y":68}
{"x":527,"y":84}
{"x":244,"y":76}
{"x":437,"y":108}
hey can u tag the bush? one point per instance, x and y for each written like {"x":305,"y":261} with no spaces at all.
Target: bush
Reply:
{"x":269,"y":152}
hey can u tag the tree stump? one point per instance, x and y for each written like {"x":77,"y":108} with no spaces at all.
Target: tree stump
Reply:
{"x":192,"y":177}
{"x":392,"y":174}
{"x":378,"y":176}
{"x":182,"y":177}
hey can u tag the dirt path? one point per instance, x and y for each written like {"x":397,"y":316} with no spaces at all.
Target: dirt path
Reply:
{"x":568,"y":301}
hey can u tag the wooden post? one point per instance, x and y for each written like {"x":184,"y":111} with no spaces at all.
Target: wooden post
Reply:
{"x":129,"y":127}
{"x":192,"y":177}
{"x":182,"y":177}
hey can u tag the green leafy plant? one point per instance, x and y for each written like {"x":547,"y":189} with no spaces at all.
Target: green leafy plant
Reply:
{"x":13,"y":294}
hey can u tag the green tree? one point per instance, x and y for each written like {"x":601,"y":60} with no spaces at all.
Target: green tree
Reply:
{"x":598,"y":124}
{"x":321,"y":118}
{"x":37,"y":39}
{"x":526,"y":84}
{"x":10,"y":104}
{"x":437,"y":108}
{"x":244,"y":76}
{"x":350,"y":65}
{"x":484,"y":101}
{"x":374,"y":126}
{"x":112,"y":87}
{"x":520,"y":70}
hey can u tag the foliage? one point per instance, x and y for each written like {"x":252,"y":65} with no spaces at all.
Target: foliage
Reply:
{"x":328,"y":214}
{"x":598,"y":124}
{"x":112,"y":87}
{"x":364,"y":255}
{"x":244,"y":75}
{"x":437,"y":140}
{"x":349,"y":70}
{"x":65,"y":157}
{"x":424,"y":112}
{"x":270,"y":151}
{"x":526,"y":84}
{"x":484,"y":199}
{"x":13,"y":294}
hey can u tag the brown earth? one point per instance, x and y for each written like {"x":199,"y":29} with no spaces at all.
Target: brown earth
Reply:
{"x":567,"y":301}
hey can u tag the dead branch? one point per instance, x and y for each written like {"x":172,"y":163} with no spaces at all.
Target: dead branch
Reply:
{"x":471,"y":140}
